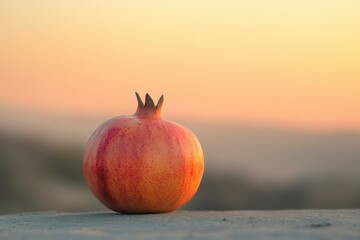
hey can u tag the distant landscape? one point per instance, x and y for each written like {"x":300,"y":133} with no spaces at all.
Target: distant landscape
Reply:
{"x":247,"y":167}
{"x":270,"y":88}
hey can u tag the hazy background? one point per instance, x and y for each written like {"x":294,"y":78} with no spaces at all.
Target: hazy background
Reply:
{"x":271,"y":89}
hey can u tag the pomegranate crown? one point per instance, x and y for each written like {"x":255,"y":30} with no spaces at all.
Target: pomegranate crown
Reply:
{"x":149,"y":109}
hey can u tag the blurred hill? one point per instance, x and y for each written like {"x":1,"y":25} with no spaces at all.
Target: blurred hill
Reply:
{"x":247,"y":167}
{"x":36,"y":175}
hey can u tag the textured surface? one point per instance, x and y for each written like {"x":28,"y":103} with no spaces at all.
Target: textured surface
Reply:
{"x":139,"y":164}
{"x":304,"y":224}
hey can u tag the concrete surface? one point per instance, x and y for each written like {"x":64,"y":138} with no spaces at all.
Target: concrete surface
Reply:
{"x":304,"y":224}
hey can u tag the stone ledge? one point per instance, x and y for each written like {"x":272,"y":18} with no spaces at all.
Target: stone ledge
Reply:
{"x":288,"y":224}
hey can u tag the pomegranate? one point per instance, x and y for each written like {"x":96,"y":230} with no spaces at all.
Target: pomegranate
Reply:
{"x":142,"y":163}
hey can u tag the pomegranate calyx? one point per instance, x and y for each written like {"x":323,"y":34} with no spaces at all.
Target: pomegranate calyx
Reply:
{"x":148,"y":110}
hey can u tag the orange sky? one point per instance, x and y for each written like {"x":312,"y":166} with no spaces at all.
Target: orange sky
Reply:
{"x":281,"y":63}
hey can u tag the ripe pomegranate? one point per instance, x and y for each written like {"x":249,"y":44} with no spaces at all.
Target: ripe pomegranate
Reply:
{"x":143,"y":163}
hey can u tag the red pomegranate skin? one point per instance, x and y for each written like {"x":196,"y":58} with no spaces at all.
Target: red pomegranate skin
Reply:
{"x":143,"y":163}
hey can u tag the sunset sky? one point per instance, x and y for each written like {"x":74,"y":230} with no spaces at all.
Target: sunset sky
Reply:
{"x":278,"y":63}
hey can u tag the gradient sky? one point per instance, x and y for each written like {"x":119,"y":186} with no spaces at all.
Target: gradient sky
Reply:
{"x":279,"y":63}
